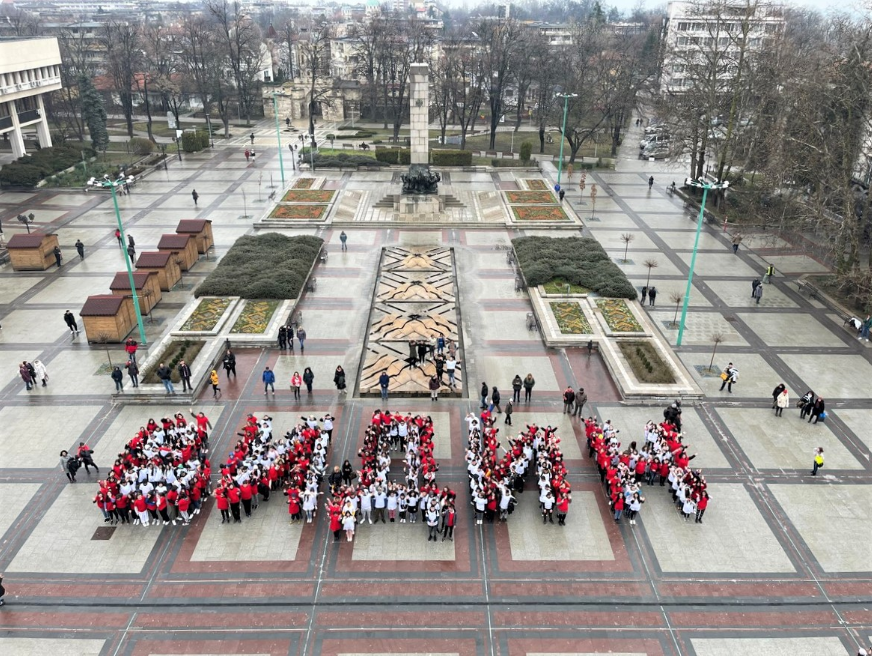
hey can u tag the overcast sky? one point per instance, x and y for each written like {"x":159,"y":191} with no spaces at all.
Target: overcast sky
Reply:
{"x":625,"y":5}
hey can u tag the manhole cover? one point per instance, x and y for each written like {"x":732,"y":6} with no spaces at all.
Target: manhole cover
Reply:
{"x":103,"y":533}
{"x":731,"y":319}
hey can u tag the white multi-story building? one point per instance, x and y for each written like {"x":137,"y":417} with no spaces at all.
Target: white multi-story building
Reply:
{"x":28,"y":69}
{"x":713,"y":26}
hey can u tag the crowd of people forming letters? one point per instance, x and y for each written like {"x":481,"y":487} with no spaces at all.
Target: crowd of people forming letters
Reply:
{"x":164,"y":473}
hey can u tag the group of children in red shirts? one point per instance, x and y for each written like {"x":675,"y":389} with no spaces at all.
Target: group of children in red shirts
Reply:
{"x":162,"y":475}
{"x":662,"y":457}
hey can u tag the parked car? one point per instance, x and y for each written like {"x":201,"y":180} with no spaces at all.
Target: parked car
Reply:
{"x":655,"y":151}
{"x":653,"y":139}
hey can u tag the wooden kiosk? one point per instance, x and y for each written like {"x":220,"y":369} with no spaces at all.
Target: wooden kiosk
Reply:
{"x":200,"y":230}
{"x":33,"y":252}
{"x":184,"y":247}
{"x":147,"y":288}
{"x":108,"y":318}
{"x":164,"y":264}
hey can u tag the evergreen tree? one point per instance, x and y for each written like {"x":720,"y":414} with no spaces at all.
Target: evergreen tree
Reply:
{"x":93,"y":113}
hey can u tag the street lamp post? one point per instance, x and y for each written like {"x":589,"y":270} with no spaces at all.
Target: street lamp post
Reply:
{"x":279,"y":137}
{"x":105,"y":183}
{"x":705,"y":186}
{"x":566,"y":97}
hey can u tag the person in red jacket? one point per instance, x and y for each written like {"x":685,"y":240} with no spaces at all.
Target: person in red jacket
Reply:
{"x":223,"y":504}
{"x":701,"y":505}
{"x":245,"y":495}
{"x":449,"y":522}
{"x":141,"y":507}
{"x":294,"y":504}
{"x":335,"y":519}
{"x":234,"y":495}
{"x":184,"y":503}
{"x":562,"y":508}
{"x":618,"y":507}
{"x":162,"y":505}
{"x":130,"y":346}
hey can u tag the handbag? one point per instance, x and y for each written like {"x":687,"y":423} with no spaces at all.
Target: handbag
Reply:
{"x":823,"y":415}
{"x":723,"y":375}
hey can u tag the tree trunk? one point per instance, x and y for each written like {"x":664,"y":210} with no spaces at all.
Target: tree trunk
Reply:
{"x":148,"y":124}
{"x":541,"y":139}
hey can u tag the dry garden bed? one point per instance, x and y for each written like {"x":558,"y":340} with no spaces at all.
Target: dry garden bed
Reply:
{"x":646,"y":363}
{"x":308,"y":196}
{"x":558,"y":286}
{"x":539,"y":213}
{"x":304,"y":183}
{"x":578,"y":261}
{"x":174,"y":352}
{"x":299,"y":212}
{"x":536,"y":185}
{"x":570,"y":318}
{"x":619,"y":318}
{"x":268,"y":266}
{"x":255,"y":317}
{"x":530,"y":197}
{"x":206,"y":315}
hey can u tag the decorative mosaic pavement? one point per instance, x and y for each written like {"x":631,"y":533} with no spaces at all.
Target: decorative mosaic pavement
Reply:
{"x":781,"y":565}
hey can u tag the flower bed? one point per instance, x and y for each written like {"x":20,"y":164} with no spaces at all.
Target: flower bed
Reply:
{"x":299,"y":212}
{"x":539,"y":213}
{"x":308,"y":196}
{"x":646,"y":363}
{"x":304,"y":183}
{"x":206,"y":315}
{"x":536,"y":185}
{"x":618,"y":316}
{"x":570,"y":318}
{"x":530,"y":197}
{"x":174,"y":352}
{"x":255,"y":317}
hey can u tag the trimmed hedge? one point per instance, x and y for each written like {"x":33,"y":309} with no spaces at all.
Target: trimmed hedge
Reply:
{"x":394,"y":156}
{"x":360,"y":134}
{"x":141,"y":146}
{"x":526,"y":150}
{"x":193,"y":142}
{"x":27,"y":171}
{"x":451,"y":157}
{"x":267,"y":266}
{"x":342,"y":161}
{"x":580,"y":261}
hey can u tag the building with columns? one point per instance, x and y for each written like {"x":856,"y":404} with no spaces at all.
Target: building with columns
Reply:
{"x":29,"y":69}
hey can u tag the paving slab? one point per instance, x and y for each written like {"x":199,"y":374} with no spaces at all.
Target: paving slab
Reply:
{"x":791,"y":329}
{"x":14,"y":285}
{"x":501,"y":370}
{"x":398,"y":542}
{"x":725,"y":265}
{"x":756,"y":376}
{"x":16,"y":498}
{"x":734,"y":536}
{"x":71,"y":293}
{"x":55,"y":646}
{"x":44,"y":441}
{"x":776,"y":646}
{"x":698,"y":328}
{"x":832,"y":376}
{"x":34,"y":326}
{"x":737,"y":294}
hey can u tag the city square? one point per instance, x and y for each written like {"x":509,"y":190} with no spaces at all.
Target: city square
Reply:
{"x":780,"y":564}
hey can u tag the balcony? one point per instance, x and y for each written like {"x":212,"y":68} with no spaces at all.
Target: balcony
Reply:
{"x":5,"y":122}
{"x":39,"y":86}
{"x":28,"y":116}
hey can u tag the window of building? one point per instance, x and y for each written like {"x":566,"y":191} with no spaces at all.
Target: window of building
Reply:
{"x":678,"y":68}
{"x":723,"y":41}
{"x":698,"y":27}
{"x":683,"y":27}
{"x":682,"y":40}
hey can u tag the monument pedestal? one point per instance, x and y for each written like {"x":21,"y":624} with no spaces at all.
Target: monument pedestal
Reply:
{"x":419,"y":205}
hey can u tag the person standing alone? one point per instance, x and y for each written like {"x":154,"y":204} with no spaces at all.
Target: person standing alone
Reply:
{"x":71,"y":322}
{"x":195,"y":196}
{"x":80,"y":249}
{"x":185,"y":375}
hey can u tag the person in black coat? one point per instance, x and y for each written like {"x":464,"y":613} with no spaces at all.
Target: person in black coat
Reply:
{"x":308,"y":378}
{"x":229,"y":362}
{"x":778,"y":390}
{"x":483,"y":393}
{"x":185,"y":375}
{"x":495,"y":399}
{"x":806,"y":403}
{"x":817,"y":410}
{"x":339,"y":379}
{"x":118,"y":377}
{"x":2,"y":591}
{"x":283,"y":338}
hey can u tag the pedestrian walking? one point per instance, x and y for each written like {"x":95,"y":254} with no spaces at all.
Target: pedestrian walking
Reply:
{"x":782,"y":402}
{"x":213,"y":380}
{"x":817,"y":460}
{"x":80,"y":249}
{"x":269,"y":381}
{"x":483,"y":392}
{"x":247,"y":154}
{"x":580,"y":400}
{"x":69,"y":465}
{"x":754,"y":285}
{"x":652,"y":296}
{"x":85,"y":453}
{"x":758,"y":293}
{"x":529,"y":382}
{"x":644,"y":294}
{"x":776,"y":392}
{"x":131,"y":253}
{"x":58,"y":256}
{"x":736,"y":241}
{"x":568,"y":400}
{"x":767,"y":277}
{"x":561,"y":194}
{"x":41,"y":373}
{"x":818,"y":411}
{"x":283,"y":337}
{"x":166,"y":377}
{"x":195,"y":196}
{"x":296,"y":383}
{"x":118,"y":377}
{"x":865,"y":328}
{"x":495,"y":399}
{"x":729,"y":376}
{"x":301,"y":336}
{"x":133,"y":372}
{"x":229,"y":363}
{"x":185,"y":375}
{"x":650,"y":182}
{"x":2,"y":591}
{"x":118,"y":237}
{"x":384,"y":382}
{"x":26,"y":376}
{"x":510,"y":408}
{"x":805,"y":404}
{"x":251,"y":136}
{"x":308,"y":379}
{"x":343,"y":238}
{"x":130,"y":242}
{"x":339,"y":379}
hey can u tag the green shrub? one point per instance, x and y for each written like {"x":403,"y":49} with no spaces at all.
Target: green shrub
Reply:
{"x":405,"y":156}
{"x":580,"y":261}
{"x":20,"y":176}
{"x":451,"y":157}
{"x":508,"y":163}
{"x":646,"y":363}
{"x":343,"y":160}
{"x":42,"y":163}
{"x":331,"y":137}
{"x":360,"y":134}
{"x":268,"y":266}
{"x":526,"y":150}
{"x":193,"y":142}
{"x":388,"y":156}
{"x":141,"y":146}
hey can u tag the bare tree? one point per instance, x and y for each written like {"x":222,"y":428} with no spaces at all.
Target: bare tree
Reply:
{"x":202,"y":64}
{"x":676,"y":298}
{"x":650,"y":264}
{"x":123,"y":62}
{"x":717,"y":339}
{"x":627,"y":237}
{"x":467,"y":79}
{"x":502,"y":46}
{"x":315,"y":65}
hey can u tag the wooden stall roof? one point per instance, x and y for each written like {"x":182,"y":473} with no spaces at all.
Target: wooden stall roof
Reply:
{"x":104,"y":305}
{"x":33,"y":240}
{"x":174,"y":241}
{"x":191,"y":226}
{"x":153,"y":259}
{"x":140,"y":279}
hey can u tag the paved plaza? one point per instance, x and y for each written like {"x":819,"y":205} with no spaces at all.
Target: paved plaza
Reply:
{"x":781,"y":566}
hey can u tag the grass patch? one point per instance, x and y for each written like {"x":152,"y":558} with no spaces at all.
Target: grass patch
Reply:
{"x":175,"y":351}
{"x":162,"y":129}
{"x":618,"y":316}
{"x":298,"y":212}
{"x":334,"y":152}
{"x":646,"y":363}
{"x":575,"y":260}
{"x":266,"y":266}
{"x":304,"y":183}
{"x":206,"y":315}
{"x":539,"y":213}
{"x":558,"y":286}
{"x":255,"y":317}
{"x":570,"y":318}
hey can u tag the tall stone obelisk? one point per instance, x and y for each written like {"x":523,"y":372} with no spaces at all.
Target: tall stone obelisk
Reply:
{"x":419,"y":78}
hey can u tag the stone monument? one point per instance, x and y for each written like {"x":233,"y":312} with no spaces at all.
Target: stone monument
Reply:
{"x":420,"y":184}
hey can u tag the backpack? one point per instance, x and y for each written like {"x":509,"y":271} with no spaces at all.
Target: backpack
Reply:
{"x":73,"y":465}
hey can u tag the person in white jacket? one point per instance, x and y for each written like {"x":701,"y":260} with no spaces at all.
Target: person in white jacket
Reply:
{"x":41,"y":373}
{"x":781,"y":402}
